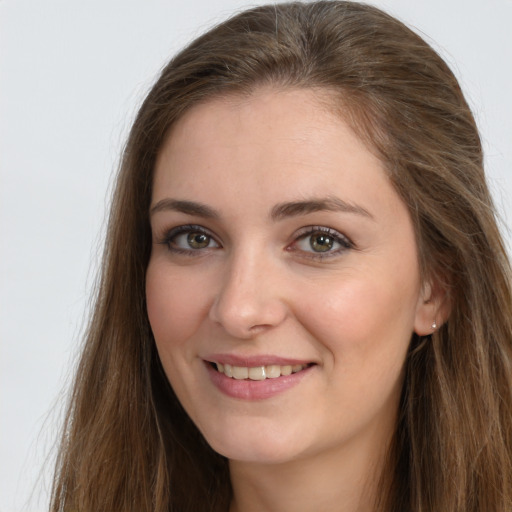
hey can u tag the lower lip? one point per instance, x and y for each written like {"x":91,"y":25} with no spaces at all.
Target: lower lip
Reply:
{"x":255,"y":389}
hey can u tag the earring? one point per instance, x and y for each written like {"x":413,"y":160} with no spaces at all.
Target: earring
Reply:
{"x":434,"y":325}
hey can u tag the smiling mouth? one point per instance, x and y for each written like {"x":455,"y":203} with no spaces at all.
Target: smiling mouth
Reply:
{"x":258,"y":372}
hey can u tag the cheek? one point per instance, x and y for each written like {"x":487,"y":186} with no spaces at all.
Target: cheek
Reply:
{"x":365,"y":319}
{"x":175,"y":307}
{"x":364,"y":332}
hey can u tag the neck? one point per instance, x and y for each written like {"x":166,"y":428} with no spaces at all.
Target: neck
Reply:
{"x":340,"y":480}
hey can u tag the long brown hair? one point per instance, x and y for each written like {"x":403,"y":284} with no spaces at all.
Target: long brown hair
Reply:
{"x":127,"y":443}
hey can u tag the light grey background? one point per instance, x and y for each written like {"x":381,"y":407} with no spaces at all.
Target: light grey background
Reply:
{"x":71,"y":76}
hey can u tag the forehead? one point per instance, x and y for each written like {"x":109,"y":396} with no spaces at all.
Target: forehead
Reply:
{"x":273,"y":145}
{"x":265,"y":106}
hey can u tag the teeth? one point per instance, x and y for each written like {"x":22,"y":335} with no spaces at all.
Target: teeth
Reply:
{"x":286,"y":370}
{"x":258,"y":372}
{"x":273,"y":371}
{"x":239,"y":372}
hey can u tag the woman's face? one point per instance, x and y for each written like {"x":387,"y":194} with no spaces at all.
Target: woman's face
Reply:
{"x":279,"y":245}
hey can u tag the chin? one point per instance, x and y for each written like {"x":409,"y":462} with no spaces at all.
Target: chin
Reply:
{"x":255,"y":454}
{"x":257,"y":444}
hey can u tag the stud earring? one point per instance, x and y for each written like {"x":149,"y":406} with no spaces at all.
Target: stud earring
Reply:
{"x":434,"y":325}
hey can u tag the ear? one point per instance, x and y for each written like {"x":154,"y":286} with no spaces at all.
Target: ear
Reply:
{"x":433,"y":308}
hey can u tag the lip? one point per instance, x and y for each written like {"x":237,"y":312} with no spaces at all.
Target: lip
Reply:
{"x":255,"y":389}
{"x":252,"y":361}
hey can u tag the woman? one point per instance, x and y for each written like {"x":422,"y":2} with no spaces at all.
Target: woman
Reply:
{"x":305,"y":301}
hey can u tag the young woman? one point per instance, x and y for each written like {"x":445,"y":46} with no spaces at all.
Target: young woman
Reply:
{"x":305,"y":302}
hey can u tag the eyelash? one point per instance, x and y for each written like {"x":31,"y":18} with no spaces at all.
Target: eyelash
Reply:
{"x":308,"y":231}
{"x":344,"y":242}
{"x":171,"y":235}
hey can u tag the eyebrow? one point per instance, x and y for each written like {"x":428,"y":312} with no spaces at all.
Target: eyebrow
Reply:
{"x":279,"y":211}
{"x":187,"y":207}
{"x":330,"y":204}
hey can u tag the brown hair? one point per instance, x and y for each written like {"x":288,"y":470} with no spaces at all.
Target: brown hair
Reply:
{"x":128,"y":445}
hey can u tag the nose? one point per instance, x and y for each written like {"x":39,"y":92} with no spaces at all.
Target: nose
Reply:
{"x":250,"y":297}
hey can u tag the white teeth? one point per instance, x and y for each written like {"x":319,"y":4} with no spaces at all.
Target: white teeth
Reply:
{"x":272,"y":371}
{"x":257,"y":373}
{"x":240,"y":372}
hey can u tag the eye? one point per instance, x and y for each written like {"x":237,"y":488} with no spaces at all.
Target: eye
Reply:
{"x":321,"y":241}
{"x":196,"y":240}
{"x":188,"y":239}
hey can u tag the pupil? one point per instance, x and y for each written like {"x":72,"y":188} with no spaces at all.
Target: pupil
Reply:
{"x":321,"y":243}
{"x":198,"y":240}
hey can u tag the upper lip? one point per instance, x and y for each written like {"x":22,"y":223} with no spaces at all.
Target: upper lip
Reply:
{"x":255,"y":360}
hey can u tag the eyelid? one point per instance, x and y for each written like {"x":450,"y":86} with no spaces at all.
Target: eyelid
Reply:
{"x":345,"y":242}
{"x":170,"y":234}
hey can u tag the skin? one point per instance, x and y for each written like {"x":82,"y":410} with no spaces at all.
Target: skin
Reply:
{"x":258,"y":287}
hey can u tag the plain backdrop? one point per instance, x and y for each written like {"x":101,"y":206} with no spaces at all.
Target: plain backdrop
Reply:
{"x":72,"y":74}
